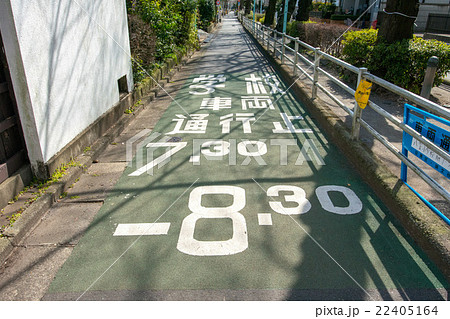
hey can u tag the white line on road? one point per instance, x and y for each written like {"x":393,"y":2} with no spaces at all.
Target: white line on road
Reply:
{"x":142,"y":229}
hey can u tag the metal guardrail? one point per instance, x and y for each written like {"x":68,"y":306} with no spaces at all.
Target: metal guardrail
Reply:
{"x":276,"y":44}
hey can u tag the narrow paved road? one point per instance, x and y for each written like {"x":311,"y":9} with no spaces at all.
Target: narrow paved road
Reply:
{"x":236,"y":194}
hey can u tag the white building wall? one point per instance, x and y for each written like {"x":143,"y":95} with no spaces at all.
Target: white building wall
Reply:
{"x":431,"y":6}
{"x":71,"y":53}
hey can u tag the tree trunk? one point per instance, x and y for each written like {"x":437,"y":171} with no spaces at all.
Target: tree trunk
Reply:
{"x":304,"y":7}
{"x":270,"y":13}
{"x":248,"y":6}
{"x":396,"y":27}
{"x":291,"y":8}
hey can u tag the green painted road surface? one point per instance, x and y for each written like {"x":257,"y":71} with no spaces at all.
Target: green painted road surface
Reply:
{"x":236,"y":194}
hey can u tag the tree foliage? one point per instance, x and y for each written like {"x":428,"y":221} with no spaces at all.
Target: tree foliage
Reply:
{"x":206,"y":13}
{"x":143,"y":46}
{"x":170,"y":24}
{"x":171,"y":20}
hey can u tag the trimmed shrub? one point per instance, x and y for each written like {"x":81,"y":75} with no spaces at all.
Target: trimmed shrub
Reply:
{"x":292,"y":29}
{"x":391,"y":62}
{"x":358,"y":46}
{"x":258,"y":16}
{"x":421,"y":50}
{"x":318,"y":35}
{"x":403,"y":63}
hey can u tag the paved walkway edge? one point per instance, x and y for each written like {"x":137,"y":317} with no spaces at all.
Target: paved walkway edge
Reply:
{"x":146,"y":92}
{"x":426,"y":228}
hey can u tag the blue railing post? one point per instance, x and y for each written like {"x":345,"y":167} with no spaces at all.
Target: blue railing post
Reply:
{"x":403,"y":167}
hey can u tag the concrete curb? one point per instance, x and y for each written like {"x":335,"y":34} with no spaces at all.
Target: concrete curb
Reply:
{"x":426,"y":228}
{"x":14,"y":184}
{"x":34,"y":213}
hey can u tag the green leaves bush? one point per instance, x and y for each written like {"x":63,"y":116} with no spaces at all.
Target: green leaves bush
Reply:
{"x":171,"y":21}
{"x":258,"y":16}
{"x":327,"y":9}
{"x":420,"y":51}
{"x":159,"y":29}
{"x":402,"y":63}
{"x":206,"y":14}
{"x":358,"y":46}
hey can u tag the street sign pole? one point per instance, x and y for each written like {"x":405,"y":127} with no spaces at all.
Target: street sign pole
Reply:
{"x":285,"y":15}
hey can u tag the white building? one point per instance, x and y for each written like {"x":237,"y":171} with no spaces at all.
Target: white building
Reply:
{"x":430,"y":6}
{"x":66,"y":61}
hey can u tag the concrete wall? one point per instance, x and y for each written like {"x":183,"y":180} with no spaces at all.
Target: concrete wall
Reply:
{"x":65,"y":59}
{"x":431,"y":6}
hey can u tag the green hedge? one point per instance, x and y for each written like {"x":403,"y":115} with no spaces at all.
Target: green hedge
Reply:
{"x":358,"y":47}
{"x":206,"y":14}
{"x":159,"y":30}
{"x":173,"y":23}
{"x":402,"y":63}
{"x":258,"y":16}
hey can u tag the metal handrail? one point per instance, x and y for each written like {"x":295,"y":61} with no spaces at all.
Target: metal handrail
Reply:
{"x":423,"y":102}
{"x":339,"y":62}
{"x":357,"y":120}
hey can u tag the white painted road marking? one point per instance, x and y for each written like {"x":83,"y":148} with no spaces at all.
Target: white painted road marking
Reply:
{"x":265,"y":219}
{"x":142,"y":229}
